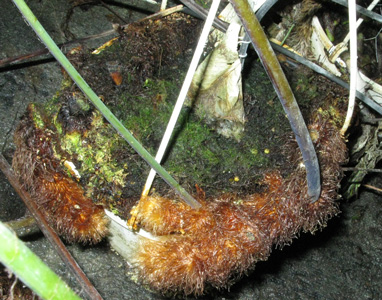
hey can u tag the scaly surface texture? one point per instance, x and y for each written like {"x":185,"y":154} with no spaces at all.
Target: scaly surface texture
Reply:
{"x":217,"y":244}
{"x":60,"y":197}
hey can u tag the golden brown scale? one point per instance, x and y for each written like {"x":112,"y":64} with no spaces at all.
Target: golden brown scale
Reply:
{"x":73,"y":215}
{"x":60,"y":198}
{"x":218,"y":239}
{"x":216,"y":244}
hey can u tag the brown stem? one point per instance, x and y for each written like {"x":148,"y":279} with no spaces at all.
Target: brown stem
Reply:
{"x":373,"y":188}
{"x":280,"y":83}
{"x":362,"y":169}
{"x":49,"y":233}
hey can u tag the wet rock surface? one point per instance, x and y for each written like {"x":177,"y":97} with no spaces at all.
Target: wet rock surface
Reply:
{"x":343,"y":261}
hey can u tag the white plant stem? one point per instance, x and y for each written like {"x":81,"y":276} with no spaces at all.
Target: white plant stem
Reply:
{"x":163,"y":5}
{"x":353,"y":64}
{"x":183,"y":93}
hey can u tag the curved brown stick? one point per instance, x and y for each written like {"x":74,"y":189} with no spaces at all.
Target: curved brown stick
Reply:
{"x":280,"y":83}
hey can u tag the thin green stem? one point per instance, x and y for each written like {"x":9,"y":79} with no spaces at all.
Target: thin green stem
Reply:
{"x":30,"y":269}
{"x":287,"y":35}
{"x":61,"y":58}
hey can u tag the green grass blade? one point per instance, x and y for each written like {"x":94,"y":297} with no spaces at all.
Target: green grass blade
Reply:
{"x":29,"y":268}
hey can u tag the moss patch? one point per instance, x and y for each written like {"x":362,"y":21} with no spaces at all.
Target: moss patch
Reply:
{"x":149,"y":66}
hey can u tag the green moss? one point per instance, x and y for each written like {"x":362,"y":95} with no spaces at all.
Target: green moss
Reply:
{"x":304,"y":90}
{"x":72,"y":143}
{"x":203,"y":156}
{"x":53,"y":105}
{"x":196,"y":153}
{"x":57,"y":125}
{"x":146,"y":115}
{"x":37,"y":117}
{"x":93,"y":152}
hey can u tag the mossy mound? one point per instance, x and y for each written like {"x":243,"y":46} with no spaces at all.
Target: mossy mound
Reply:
{"x":138,"y":76}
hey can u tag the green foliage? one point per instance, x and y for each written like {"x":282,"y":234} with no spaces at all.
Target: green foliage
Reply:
{"x":37,"y":118}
